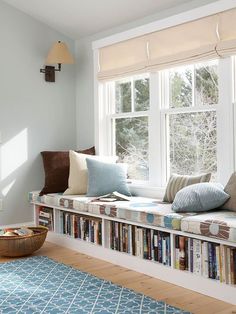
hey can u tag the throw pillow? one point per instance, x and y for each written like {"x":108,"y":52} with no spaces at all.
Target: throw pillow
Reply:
{"x":78,"y":174}
{"x":230,"y":189}
{"x":200,"y":197}
{"x":177,"y":182}
{"x":104,"y":178}
{"x":56,"y":168}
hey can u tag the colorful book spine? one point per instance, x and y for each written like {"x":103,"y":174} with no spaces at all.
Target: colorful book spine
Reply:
{"x":182,"y":253}
{"x":197,"y":257}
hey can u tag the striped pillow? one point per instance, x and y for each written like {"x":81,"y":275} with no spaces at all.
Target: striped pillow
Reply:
{"x":177,"y":182}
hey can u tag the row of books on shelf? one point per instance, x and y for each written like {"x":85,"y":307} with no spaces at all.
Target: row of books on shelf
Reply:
{"x":81,"y":227}
{"x":45,"y":217}
{"x":207,"y":259}
{"x":142,"y":242}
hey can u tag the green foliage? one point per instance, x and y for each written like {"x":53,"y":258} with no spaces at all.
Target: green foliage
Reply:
{"x":207,"y":85}
{"x":192,"y":136}
{"x":132,"y":145}
{"x":180,"y":88}
{"x":123,"y":97}
{"x":193,"y":142}
{"x":141,"y":94}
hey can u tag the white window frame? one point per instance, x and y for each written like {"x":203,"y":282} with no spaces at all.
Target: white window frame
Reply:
{"x":158,"y":154}
{"x":109,"y":89}
{"x":167,"y":111}
{"x":226,"y":110}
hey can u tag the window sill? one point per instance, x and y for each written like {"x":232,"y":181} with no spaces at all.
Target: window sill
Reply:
{"x":146,"y":190}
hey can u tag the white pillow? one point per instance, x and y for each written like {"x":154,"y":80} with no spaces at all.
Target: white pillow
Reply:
{"x":78,"y":176}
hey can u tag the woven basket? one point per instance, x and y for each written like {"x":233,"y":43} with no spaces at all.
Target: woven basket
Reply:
{"x":16,"y":246}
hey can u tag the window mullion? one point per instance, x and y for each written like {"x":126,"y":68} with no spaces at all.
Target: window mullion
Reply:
{"x":155,"y":149}
{"x":193,"y":86}
{"x":225,"y":136}
{"x":132,"y":95}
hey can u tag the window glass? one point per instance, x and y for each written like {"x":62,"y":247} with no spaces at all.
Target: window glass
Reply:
{"x":141,"y":89}
{"x":123,"y":99}
{"x":131,"y":145}
{"x":206,"y":86}
{"x":192,"y":143}
{"x":180,"y":87}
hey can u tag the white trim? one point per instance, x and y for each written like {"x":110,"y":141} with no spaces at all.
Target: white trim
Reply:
{"x":147,"y":190}
{"x":133,"y":114}
{"x":225,"y":135}
{"x":187,"y":16}
{"x":97,"y":94}
{"x":155,"y":160}
{"x":234,"y":108}
{"x":28,"y":224}
{"x":189,"y":109}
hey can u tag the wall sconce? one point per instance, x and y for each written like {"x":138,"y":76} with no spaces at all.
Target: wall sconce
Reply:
{"x":58,"y":54}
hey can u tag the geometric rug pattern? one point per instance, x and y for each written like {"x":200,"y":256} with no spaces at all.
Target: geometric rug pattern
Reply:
{"x":41,"y":285}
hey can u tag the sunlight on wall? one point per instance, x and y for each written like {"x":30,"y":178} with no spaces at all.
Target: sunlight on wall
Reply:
{"x":13,"y":154}
{"x":7,"y":188}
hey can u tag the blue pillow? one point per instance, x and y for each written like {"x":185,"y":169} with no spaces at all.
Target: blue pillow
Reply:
{"x":200,"y":197}
{"x":104,"y":178}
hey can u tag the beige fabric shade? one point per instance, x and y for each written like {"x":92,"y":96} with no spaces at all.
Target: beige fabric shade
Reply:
{"x":183,"y":44}
{"x":59,"y":53}
{"x":202,"y":39}
{"x":227,"y":33}
{"x":125,"y":57}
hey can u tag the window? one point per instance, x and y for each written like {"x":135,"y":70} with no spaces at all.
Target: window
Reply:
{"x":178,"y":120}
{"x":192,"y":95}
{"x":130,"y":124}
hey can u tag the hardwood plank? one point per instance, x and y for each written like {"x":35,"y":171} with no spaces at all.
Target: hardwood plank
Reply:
{"x":157,"y":289}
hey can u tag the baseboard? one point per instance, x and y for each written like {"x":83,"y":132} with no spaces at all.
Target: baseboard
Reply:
{"x":29,"y":223}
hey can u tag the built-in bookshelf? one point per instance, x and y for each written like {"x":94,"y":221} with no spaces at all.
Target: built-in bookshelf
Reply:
{"x":45,"y":217}
{"x":141,"y":242}
{"x":203,"y":264}
{"x":204,"y":258}
{"x":81,"y":227}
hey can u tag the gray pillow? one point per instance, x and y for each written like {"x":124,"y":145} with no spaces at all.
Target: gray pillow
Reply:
{"x":200,"y":197}
{"x":177,"y":182}
{"x":230,"y":189}
{"x":104,"y":178}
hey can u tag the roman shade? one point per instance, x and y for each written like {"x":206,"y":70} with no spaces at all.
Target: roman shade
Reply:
{"x":126,"y":57}
{"x":227,"y":33}
{"x":203,"y":39}
{"x":183,"y":44}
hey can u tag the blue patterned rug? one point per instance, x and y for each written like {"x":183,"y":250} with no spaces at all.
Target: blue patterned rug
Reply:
{"x":42,"y":285}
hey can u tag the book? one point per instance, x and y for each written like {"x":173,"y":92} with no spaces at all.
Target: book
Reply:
{"x":197,"y":257}
{"x":181,"y":253}
{"x":112,"y":197}
{"x":177,"y":252}
{"x":191,"y":254}
{"x":155,"y":245}
{"x":164,"y":259}
{"x":160,"y":247}
{"x":205,"y":260}
{"x":218,"y":275}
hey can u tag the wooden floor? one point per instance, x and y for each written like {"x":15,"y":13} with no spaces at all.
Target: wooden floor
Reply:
{"x":157,"y":289}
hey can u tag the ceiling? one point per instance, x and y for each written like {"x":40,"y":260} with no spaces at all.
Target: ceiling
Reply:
{"x":80,"y":18}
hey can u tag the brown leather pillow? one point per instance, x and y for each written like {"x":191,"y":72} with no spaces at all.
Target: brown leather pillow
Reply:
{"x":56,"y":167}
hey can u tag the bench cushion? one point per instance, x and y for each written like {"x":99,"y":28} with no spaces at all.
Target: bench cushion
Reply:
{"x":215,"y":224}
{"x":138,"y":209}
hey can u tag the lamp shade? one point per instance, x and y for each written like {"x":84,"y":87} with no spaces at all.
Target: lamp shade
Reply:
{"x":59,"y":53}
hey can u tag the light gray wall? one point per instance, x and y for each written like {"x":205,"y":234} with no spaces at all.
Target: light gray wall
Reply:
{"x":27,"y":102}
{"x":85,"y":99}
